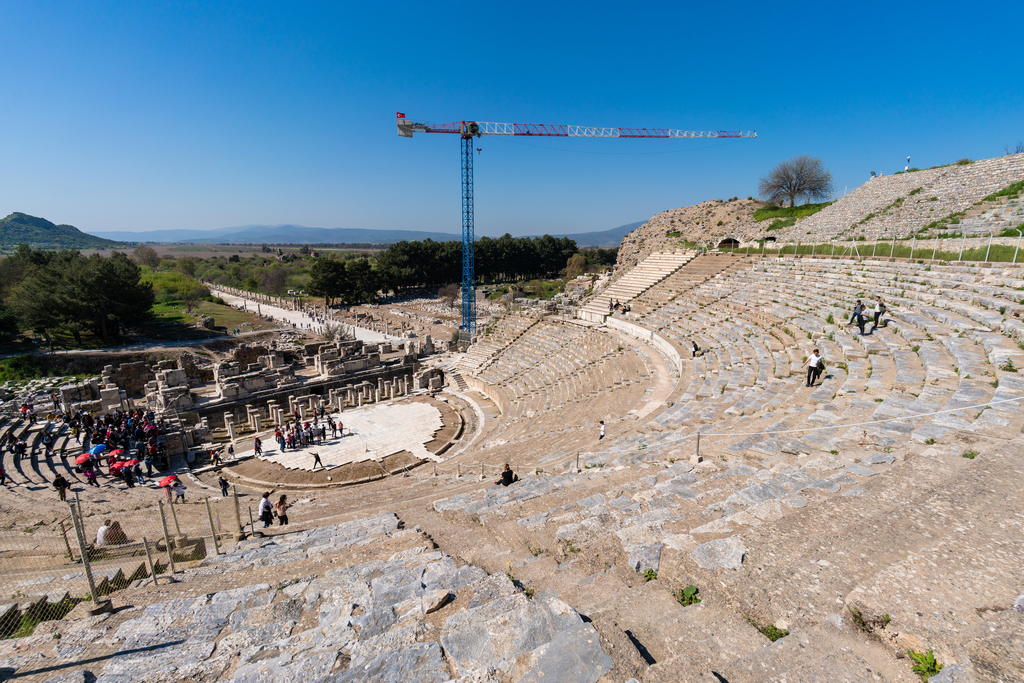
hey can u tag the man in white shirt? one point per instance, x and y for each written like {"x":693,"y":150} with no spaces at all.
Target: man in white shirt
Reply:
{"x":602,"y":431}
{"x":266,"y":510}
{"x":813,"y":367}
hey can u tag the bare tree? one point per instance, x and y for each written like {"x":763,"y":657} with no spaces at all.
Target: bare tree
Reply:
{"x":1015,"y":150}
{"x":448,"y":294}
{"x":801,"y":176}
{"x":191,"y":297}
{"x":146,"y":256}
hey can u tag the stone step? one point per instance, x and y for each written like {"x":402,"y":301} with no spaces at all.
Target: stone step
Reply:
{"x":939,"y":592}
{"x":825,"y":652}
{"x":801,"y":567}
{"x":677,"y":641}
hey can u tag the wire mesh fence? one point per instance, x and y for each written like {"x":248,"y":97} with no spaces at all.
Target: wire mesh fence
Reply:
{"x":46,"y":572}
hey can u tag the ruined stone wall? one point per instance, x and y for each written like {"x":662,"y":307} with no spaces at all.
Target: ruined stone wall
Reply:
{"x":130,"y":377}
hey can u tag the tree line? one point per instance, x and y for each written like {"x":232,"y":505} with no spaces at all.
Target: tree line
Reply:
{"x":426,"y":263}
{"x":64,"y":293}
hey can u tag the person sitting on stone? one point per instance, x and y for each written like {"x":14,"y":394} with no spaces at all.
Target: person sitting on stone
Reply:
{"x":507,"y":476}
{"x":101,"y":533}
{"x":116,"y":535}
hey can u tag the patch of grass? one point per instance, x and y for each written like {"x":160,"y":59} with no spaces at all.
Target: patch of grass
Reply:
{"x":930,"y":441}
{"x":834,"y":451}
{"x":780,"y":224}
{"x":687,"y":596}
{"x":830,"y":320}
{"x":650,"y":575}
{"x":771,"y":632}
{"x":925,"y":665}
{"x":571,"y":547}
{"x":1008,"y":191}
{"x":1008,"y":366}
{"x":970,"y":455}
{"x":794,"y":212}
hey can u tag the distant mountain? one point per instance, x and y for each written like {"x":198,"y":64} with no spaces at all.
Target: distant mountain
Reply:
{"x":605,"y":239}
{"x":20,"y":228}
{"x":283,"y":234}
{"x":299,"y":234}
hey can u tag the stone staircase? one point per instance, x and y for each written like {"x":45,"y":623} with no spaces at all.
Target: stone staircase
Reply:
{"x":646,"y":274}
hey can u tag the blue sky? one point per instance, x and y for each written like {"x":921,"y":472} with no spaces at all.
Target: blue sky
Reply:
{"x":144,"y":116}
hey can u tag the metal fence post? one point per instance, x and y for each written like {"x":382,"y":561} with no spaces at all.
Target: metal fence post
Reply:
{"x":960,"y":258}
{"x":935,"y":249}
{"x":832,"y":255}
{"x":80,"y":535}
{"x":149,"y":559}
{"x":174,"y":516}
{"x":813,"y":247}
{"x":1019,"y":234}
{"x":213,"y":529}
{"x":989,"y":251}
{"x":873,"y":247}
{"x":893,"y":249}
{"x":167,"y":537}
{"x":238,"y":514}
{"x":913,"y":243}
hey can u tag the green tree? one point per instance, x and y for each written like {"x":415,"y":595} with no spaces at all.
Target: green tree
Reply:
{"x":327,"y":278}
{"x":8,"y":324}
{"x":363,"y":281}
{"x":575,"y":266}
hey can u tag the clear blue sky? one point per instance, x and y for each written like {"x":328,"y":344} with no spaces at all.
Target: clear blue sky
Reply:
{"x":203,"y":115}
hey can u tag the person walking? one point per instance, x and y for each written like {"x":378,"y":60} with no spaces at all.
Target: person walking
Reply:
{"x":281,"y":508}
{"x":862,"y":317}
{"x":880,"y":310}
{"x":179,"y":492}
{"x":601,"y":436}
{"x":814,"y":365}
{"x":223,"y":486}
{"x":857,"y":309}
{"x":317,"y":461}
{"x":62,"y":486}
{"x":257,"y":446}
{"x":266,"y":513}
{"x":3,"y":476}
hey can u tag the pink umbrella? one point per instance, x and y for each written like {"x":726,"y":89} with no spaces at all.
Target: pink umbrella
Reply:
{"x":84,"y":457}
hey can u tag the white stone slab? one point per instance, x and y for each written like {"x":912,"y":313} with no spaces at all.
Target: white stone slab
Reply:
{"x":371,"y":433}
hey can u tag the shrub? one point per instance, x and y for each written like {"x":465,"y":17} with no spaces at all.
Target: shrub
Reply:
{"x":687,"y":596}
{"x":925,"y":665}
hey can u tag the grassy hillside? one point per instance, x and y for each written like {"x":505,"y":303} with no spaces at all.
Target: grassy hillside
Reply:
{"x":20,"y":228}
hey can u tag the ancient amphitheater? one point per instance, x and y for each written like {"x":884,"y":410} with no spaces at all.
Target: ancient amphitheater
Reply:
{"x":832,"y":532}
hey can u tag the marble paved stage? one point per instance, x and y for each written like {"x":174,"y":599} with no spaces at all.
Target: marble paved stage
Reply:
{"x":371,"y":433}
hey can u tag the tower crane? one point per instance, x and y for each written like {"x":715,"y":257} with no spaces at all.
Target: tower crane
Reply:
{"x":470,"y":129}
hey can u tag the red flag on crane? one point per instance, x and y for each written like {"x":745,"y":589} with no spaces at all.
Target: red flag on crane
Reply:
{"x":401,"y":115}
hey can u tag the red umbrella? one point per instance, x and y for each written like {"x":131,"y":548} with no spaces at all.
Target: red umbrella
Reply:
{"x":116,"y":466}
{"x":133,"y":461}
{"x":166,"y":481}
{"x":116,"y":452}
{"x":84,"y":457}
